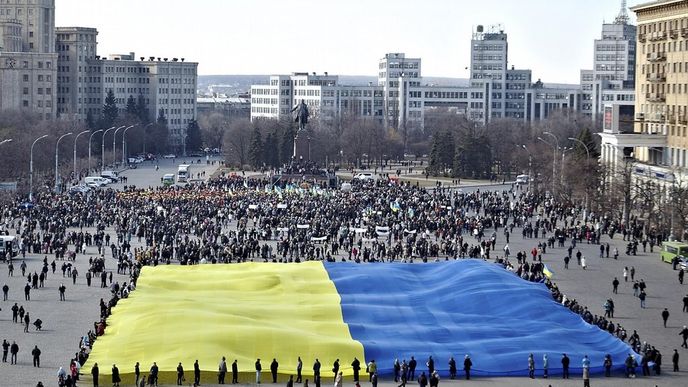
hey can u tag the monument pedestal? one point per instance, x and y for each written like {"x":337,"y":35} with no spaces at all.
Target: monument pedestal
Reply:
{"x":302,"y":146}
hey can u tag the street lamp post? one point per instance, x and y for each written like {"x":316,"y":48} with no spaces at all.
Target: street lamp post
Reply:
{"x":114,"y":146}
{"x":57,"y":155}
{"x":530,"y":167}
{"x":124,"y":137}
{"x":75,"y":139}
{"x":102,"y":153}
{"x":89,"y":148}
{"x":587,"y":151}
{"x":31,"y":167}
{"x":554,"y":158}
{"x":556,"y":140}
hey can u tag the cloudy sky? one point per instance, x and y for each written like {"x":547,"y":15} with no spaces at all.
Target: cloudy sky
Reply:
{"x":554,"y":38}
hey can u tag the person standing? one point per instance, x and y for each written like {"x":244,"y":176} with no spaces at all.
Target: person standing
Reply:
{"x":5,"y":292}
{"x":115,"y":376}
{"x":316,"y":370}
{"x":197,"y":374}
{"x":674,"y":360}
{"x":153,"y":375}
{"x":565,"y":361}
{"x":62,"y":290}
{"x":335,"y":368}
{"x":615,"y":286}
{"x":27,"y":292}
{"x":290,"y":382}
{"x":531,"y":366}
{"x":180,"y":374}
{"x":642,"y":297}
{"x":5,"y":349}
{"x":431,"y":365}
{"x":137,"y":372}
{"x":586,"y":371}
{"x":273,"y":370}
{"x":36,"y":353}
{"x":372,"y":369}
{"x":467,"y":364}
{"x":259,"y":368}
{"x":665,"y":316}
{"x":607,"y":365}
{"x":221,"y":371}
{"x":355,"y":366}
{"x":235,"y":372}
{"x":339,"y":380}
{"x":584,"y":265}
{"x":14,"y":350}
{"x":545,"y":366}
{"x":684,"y":334}
{"x":373,"y":379}
{"x":412,"y":368}
{"x":625,"y":274}
{"x":95,"y":372}
{"x":452,"y":368}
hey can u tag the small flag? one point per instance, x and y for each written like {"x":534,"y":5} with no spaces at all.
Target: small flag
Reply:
{"x":547,"y":272}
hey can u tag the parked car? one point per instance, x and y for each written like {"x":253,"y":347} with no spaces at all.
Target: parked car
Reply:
{"x":364,"y":176}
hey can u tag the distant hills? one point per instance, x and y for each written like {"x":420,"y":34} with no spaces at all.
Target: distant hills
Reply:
{"x":233,"y":84}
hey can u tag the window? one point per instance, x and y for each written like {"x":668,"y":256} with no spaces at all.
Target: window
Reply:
{"x":26,"y":103}
{"x":26,"y":91}
{"x":26,"y":77}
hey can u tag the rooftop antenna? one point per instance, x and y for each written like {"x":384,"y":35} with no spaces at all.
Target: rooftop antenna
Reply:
{"x":622,"y":18}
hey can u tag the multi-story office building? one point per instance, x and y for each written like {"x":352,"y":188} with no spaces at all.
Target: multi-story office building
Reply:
{"x":657,"y":142}
{"x":28,"y":61}
{"x":612,"y":78}
{"x":85,"y":78}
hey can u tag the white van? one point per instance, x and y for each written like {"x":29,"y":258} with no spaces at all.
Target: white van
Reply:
{"x":522,"y":179}
{"x":9,"y":247}
{"x":100,"y":181}
{"x":111,"y":175}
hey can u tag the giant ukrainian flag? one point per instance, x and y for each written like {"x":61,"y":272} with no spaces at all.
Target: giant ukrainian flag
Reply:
{"x":340,"y":311}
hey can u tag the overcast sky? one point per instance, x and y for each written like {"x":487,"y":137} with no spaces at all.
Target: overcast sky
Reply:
{"x":554,"y":38}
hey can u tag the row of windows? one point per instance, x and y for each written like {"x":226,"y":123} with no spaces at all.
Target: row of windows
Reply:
{"x":495,"y":57}
{"x":610,"y":67}
{"x":39,"y":91}
{"x":265,"y":101}
{"x":490,"y":66}
{"x":263,"y":110}
{"x":488,"y":47}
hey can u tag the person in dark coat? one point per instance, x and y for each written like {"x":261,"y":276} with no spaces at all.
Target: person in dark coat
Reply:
{"x":335,"y":368}
{"x":467,"y":364}
{"x":273,"y":370}
{"x":95,"y":372}
{"x":197,"y":374}
{"x":235,"y":372}
{"x":115,"y":376}
{"x":36,"y":353}
{"x":452,"y":368}
{"x":356,"y":366}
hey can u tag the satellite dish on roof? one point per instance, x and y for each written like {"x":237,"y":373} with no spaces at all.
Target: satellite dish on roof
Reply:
{"x":480,"y":28}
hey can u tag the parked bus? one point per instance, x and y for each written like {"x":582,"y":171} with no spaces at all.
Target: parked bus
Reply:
{"x":183,"y":173}
{"x":673,"y":249}
{"x":168,"y":179}
{"x":9,"y":247}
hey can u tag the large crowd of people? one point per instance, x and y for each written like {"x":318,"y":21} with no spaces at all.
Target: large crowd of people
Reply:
{"x":233,"y":219}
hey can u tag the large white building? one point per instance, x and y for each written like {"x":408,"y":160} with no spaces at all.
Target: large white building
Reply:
{"x":28,"y":62}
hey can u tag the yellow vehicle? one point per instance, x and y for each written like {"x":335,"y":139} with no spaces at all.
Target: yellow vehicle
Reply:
{"x":673,"y":249}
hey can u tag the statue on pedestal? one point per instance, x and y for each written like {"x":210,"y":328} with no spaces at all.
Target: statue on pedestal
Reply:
{"x":302,"y":143}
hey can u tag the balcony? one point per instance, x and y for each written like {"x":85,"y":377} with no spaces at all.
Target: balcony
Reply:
{"x":673,"y":34}
{"x":655,"y":117}
{"x":656,"y":56}
{"x":655,"y":97}
{"x":640,"y":116}
{"x":684,"y":32}
{"x":656,"y":77}
{"x":682,"y":120}
{"x":641,"y":38}
{"x":657,"y":36}
{"x":672,"y":120}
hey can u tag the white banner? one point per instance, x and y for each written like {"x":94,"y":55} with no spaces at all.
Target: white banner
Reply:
{"x":319,"y":239}
{"x":282,"y":206}
{"x":252,"y":206}
{"x":409,"y":231}
{"x":382,"y":234}
{"x":381,"y":228}
{"x":283,"y":229}
{"x":303,"y":226}
{"x":368,"y":240}
{"x":359,"y":230}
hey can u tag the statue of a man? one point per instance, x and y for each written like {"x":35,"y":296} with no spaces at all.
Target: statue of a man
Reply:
{"x":301,"y":114}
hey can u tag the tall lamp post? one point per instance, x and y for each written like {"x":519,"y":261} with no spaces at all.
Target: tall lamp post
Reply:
{"x":530,"y":166}
{"x":114,"y":146}
{"x":102,"y":153}
{"x":124,"y":139}
{"x":89,"y":148}
{"x":57,"y":158}
{"x":554,"y":158}
{"x":75,"y":139}
{"x":31,"y":167}
{"x":587,"y":151}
